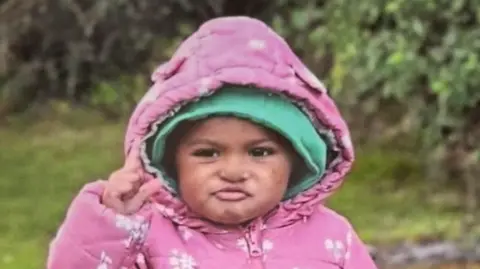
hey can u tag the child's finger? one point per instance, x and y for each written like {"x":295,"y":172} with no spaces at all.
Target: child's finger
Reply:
{"x":131,"y":192}
{"x":133,"y":160}
{"x":124,"y":184}
{"x":113,"y":201}
{"x":124,"y":177}
{"x":150,"y":188}
{"x":145,"y":191}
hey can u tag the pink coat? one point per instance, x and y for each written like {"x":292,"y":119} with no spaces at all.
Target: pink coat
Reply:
{"x":301,"y":233}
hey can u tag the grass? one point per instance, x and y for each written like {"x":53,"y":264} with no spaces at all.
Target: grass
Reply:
{"x":387,"y":199}
{"x":43,"y":164}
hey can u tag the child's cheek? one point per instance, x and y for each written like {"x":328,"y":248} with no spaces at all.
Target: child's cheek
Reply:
{"x":278,"y":172}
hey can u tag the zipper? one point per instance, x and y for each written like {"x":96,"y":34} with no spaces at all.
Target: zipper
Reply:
{"x":255,"y":250}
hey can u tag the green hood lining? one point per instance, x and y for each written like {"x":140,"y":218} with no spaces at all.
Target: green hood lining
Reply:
{"x":269,"y":110}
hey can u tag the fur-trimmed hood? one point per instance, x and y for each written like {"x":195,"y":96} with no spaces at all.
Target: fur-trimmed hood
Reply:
{"x":242,"y":51}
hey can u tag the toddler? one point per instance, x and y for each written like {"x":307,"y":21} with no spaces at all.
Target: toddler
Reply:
{"x":229,"y":158}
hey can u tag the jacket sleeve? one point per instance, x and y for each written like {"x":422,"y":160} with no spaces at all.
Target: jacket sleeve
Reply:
{"x":357,"y":254}
{"x":93,"y":236}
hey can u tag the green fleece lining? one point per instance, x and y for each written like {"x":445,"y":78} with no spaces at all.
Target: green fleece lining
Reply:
{"x":269,"y":110}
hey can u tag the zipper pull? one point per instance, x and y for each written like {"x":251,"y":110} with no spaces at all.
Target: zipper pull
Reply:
{"x":255,"y":250}
{"x":253,"y":238}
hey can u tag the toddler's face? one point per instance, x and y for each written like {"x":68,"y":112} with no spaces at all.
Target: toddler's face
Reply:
{"x":231,"y":170}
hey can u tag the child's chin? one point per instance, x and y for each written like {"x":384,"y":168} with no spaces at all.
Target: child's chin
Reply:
{"x":229,"y":217}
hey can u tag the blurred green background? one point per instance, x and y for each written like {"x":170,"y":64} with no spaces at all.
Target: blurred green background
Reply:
{"x":405,"y":74}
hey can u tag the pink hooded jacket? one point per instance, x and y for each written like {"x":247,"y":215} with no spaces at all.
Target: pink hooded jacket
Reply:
{"x":301,"y":233}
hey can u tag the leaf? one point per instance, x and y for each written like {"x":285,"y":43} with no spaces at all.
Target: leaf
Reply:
{"x":418,"y":27}
{"x":472,"y":62}
{"x":457,"y":5}
{"x":439,"y":87}
{"x":393,"y":6}
{"x":318,"y":35}
{"x":300,"y":19}
{"x":396,"y":58}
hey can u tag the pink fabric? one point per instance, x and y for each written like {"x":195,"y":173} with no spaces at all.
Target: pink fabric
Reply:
{"x":299,"y":233}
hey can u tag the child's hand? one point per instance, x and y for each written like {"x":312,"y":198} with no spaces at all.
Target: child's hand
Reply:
{"x":125,"y":192}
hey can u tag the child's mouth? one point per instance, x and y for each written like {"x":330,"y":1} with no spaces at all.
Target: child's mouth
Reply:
{"x":231,"y":194}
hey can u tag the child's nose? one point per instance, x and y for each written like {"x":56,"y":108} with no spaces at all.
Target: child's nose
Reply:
{"x":234,"y":176}
{"x":234,"y":171}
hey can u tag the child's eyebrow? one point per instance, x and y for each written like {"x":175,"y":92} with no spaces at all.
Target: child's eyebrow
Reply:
{"x":207,"y":141}
{"x":260,"y":141}
{"x":197,"y":141}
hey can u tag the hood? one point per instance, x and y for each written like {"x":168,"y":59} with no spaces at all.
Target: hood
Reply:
{"x":240,"y":51}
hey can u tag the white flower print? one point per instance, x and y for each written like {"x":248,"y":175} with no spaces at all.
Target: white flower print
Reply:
{"x":179,"y":260}
{"x":336,"y":247}
{"x":104,"y":261}
{"x":257,"y":44}
{"x":137,"y":228}
{"x":267,"y":245}
{"x":185,"y":233}
{"x":242,"y":244}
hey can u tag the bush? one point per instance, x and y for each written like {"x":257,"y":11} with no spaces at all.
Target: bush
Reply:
{"x":415,"y":61}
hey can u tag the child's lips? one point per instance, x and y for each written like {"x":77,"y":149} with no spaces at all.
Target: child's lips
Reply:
{"x":231,"y":194}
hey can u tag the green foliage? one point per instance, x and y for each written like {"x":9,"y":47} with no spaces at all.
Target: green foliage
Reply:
{"x":388,"y":48}
{"x":118,"y":97}
{"x":422,"y":55}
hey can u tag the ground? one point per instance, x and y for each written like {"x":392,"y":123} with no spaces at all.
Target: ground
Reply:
{"x":43,"y":165}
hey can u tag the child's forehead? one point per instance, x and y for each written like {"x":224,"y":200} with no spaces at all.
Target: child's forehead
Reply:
{"x":221,"y":124}
{"x":231,"y":129}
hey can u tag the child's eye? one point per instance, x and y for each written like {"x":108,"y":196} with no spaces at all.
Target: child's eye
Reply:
{"x":261,"y":152}
{"x":206,"y":153}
